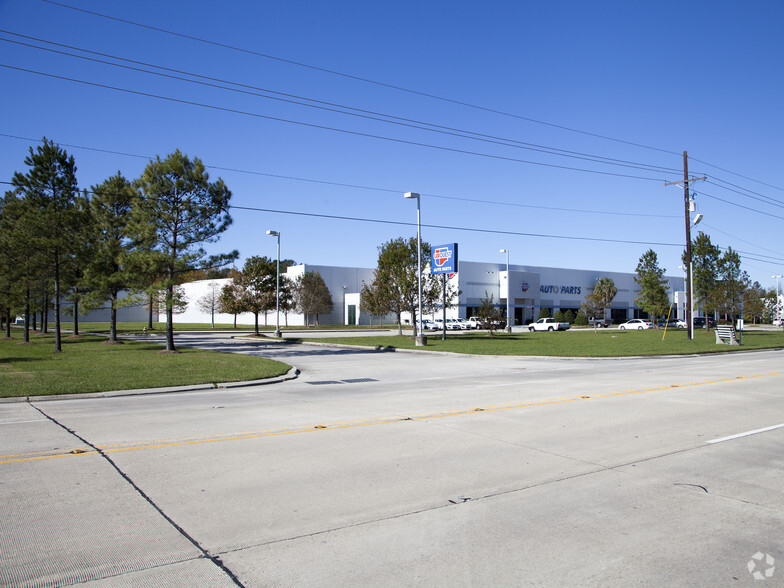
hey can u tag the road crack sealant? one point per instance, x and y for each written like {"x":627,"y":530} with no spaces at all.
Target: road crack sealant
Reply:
{"x":213,"y":558}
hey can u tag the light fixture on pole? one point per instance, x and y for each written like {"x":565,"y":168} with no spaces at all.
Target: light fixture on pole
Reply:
{"x":508,"y":292}
{"x":420,"y":339}
{"x":277,"y":284}
{"x":778,"y":302}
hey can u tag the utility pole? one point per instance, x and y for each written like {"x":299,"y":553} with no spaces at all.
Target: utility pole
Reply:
{"x":689,"y":278}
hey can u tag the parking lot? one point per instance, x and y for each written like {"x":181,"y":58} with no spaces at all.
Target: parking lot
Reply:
{"x":379,"y":468}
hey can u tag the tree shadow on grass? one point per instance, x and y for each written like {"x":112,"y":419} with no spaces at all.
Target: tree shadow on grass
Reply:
{"x":7,"y":360}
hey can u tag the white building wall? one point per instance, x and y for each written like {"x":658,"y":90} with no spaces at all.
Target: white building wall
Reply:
{"x":532,"y":288}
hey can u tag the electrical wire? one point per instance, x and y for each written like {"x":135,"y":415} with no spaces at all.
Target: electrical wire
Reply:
{"x":362,"y":187}
{"x":338,"y":108}
{"x":433,"y":226}
{"x":353,"y":77}
{"x":375,"y":82}
{"x":737,"y":174}
{"x":327,"y":128}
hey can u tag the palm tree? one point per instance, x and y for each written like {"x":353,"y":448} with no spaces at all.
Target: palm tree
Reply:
{"x":605,"y":291}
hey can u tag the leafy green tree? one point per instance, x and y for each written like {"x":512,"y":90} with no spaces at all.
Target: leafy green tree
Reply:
{"x":705,"y":261}
{"x":731,"y":284}
{"x":569,"y":317}
{"x":395,"y":278}
{"x":581,"y":320}
{"x":543,"y":313}
{"x":490,"y":315}
{"x":51,"y":188}
{"x":373,"y":302}
{"x":653,"y":297}
{"x":559,"y":316}
{"x":257,"y":283}
{"x":180,"y":210}
{"x":231,"y":296}
{"x":311,"y":295}
{"x":754,"y":303}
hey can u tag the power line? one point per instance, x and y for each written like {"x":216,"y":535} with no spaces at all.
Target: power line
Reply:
{"x":357,"y":78}
{"x":747,"y":243}
{"x":432,"y":226}
{"x":338,"y":108}
{"x":739,"y":175}
{"x":454,"y":228}
{"x":742,"y":191}
{"x":358,"y":186}
{"x":703,"y":193}
{"x":327,"y":128}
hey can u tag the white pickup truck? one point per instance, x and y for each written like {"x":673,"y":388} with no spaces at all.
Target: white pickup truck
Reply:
{"x":548,"y":324}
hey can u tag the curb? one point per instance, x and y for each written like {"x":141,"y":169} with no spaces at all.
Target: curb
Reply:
{"x":292,"y":374}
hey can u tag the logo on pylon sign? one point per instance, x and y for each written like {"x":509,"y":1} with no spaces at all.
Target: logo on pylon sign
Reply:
{"x":524,"y":286}
{"x":442,"y":255}
{"x":443,"y":259}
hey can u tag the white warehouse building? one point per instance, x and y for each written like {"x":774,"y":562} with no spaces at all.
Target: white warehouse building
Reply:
{"x":531,"y":289}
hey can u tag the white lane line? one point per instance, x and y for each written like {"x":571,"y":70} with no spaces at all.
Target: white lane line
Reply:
{"x":746,"y":434}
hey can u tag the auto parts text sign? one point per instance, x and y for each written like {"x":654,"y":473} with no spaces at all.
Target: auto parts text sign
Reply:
{"x":443,"y":259}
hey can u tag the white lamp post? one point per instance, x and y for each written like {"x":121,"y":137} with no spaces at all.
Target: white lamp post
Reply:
{"x":508,"y":292}
{"x":420,"y":340}
{"x":277,"y":285}
{"x":778,"y":304}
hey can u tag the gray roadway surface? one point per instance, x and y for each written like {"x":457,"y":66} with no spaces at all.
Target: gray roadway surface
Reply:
{"x":392,"y":469}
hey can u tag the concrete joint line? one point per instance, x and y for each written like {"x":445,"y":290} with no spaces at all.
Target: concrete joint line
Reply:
{"x":214,"y":559}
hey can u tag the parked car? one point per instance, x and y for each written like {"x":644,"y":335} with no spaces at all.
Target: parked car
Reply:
{"x":453,"y":325}
{"x":673,"y":324}
{"x":699,"y":322}
{"x":476,"y":322}
{"x":465,"y":325}
{"x":548,"y":324}
{"x":428,"y":325}
{"x":600,"y":323}
{"x":777,"y":322}
{"x":638,"y":324}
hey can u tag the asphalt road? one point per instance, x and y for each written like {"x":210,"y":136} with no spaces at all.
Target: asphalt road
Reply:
{"x":390,"y":469}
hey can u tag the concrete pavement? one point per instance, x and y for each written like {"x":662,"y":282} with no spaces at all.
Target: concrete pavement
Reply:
{"x":392,"y":469}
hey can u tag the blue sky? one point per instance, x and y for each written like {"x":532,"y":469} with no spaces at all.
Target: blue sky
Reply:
{"x":636,"y":83}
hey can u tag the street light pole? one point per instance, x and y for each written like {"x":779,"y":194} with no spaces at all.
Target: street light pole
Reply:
{"x":508,"y":292}
{"x":277,"y":284}
{"x":778,"y":304}
{"x":417,"y":331}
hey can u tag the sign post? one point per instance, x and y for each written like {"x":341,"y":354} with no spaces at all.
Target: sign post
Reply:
{"x":443,"y":260}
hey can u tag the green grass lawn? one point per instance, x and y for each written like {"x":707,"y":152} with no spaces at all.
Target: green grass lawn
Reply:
{"x":88,"y":364}
{"x":603,"y":343}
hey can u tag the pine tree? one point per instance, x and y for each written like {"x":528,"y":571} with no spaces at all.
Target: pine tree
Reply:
{"x":108,"y":273}
{"x":653,"y":287}
{"x":50,"y":187}
{"x":179,"y":212}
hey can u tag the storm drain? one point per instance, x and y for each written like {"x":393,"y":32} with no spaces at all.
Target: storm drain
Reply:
{"x":350,"y":381}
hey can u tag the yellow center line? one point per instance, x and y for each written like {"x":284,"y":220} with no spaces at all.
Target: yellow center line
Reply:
{"x":37,"y":456}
